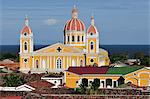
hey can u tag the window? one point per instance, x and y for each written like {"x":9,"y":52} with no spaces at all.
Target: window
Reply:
{"x":72,"y":38}
{"x":37,"y":64}
{"x":92,"y":60}
{"x":91,"y":34}
{"x":25,"y":34}
{"x":25,"y":60}
{"x":25,"y":46}
{"x":59,"y":63}
{"x":82,"y":38}
{"x":81,"y":63}
{"x":78,"y":38}
{"x":68,"y":39}
{"x":92,"y":45}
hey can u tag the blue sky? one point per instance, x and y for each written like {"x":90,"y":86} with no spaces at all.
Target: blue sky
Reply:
{"x":118,"y":21}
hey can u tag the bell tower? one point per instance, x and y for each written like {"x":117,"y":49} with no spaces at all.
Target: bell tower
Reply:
{"x":26,"y":47}
{"x":26,"y":38}
{"x":92,"y":38}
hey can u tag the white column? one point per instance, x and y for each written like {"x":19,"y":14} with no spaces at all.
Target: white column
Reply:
{"x":54,"y":63}
{"x":78,"y":61}
{"x":67,"y":63}
{"x":50,"y":64}
{"x":70,"y":61}
{"x":116,"y":83}
{"x":70,"y":38}
{"x":47,"y":66}
{"x":33,"y":62}
{"x":40,"y":62}
{"x":63,"y":62}
{"x":112,"y":84}
{"x":66,"y":38}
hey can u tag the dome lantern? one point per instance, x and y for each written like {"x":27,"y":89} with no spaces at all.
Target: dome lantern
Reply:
{"x":74,"y":12}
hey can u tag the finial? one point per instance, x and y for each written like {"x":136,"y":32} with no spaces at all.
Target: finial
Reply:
{"x":74,"y":6}
{"x":92,"y":19}
{"x":74,"y":12}
{"x":26,"y":20}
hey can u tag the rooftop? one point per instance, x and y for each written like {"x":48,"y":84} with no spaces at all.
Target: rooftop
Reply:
{"x":104,"y":70}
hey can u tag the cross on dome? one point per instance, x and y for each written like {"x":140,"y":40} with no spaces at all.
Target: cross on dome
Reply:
{"x":92,"y":19}
{"x":74,"y":12}
{"x":26,"y":21}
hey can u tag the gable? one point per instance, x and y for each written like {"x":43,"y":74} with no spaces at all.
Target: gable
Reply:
{"x":58,"y":47}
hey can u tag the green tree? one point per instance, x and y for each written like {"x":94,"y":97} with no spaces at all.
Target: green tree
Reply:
{"x":118,"y":57}
{"x":83,"y":86}
{"x":13,"y":80}
{"x":145,"y":59}
{"x":95,"y":84}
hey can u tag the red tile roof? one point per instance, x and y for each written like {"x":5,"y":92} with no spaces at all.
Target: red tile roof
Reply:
{"x":11,"y":97}
{"x":88,"y":70}
{"x":40,"y":83}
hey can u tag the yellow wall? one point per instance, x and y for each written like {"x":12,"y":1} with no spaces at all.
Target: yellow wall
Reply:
{"x":72,"y":78}
{"x":140,"y":77}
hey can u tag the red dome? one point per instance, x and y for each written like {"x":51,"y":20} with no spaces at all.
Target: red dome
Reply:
{"x":74,"y":24}
{"x":26,"y":29}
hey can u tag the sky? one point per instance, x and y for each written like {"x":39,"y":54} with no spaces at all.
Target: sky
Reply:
{"x":123,"y":22}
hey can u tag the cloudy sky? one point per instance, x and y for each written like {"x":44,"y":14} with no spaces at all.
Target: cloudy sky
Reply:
{"x":118,"y":21}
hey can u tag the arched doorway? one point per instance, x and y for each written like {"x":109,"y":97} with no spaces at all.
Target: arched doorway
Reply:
{"x":108,"y":82}
{"x":120,"y":81}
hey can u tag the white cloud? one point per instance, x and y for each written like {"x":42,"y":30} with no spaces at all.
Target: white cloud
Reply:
{"x":51,"y":21}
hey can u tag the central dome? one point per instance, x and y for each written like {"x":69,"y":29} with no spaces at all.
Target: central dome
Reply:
{"x":74,"y":24}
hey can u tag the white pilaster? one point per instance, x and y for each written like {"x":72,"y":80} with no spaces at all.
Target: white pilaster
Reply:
{"x":54,"y":62}
{"x":50,"y":66}
{"x":47,"y":66}
{"x":40,"y":62}
{"x":67,"y":63}
{"x":78,"y":61}
{"x":33,"y":66}
{"x":63,"y":62}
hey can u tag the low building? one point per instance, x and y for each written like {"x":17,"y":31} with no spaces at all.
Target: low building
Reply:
{"x":56,"y":80}
{"x":109,"y":77}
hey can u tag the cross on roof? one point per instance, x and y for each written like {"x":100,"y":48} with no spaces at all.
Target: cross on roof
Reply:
{"x":59,"y":49}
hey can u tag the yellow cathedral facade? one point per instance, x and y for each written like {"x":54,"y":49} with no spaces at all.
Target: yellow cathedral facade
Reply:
{"x":80,"y":48}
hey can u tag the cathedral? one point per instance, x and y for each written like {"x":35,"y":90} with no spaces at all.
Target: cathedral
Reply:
{"x":80,"y":48}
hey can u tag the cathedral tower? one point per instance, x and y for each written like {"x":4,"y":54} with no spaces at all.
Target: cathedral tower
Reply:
{"x":74,"y":31}
{"x":92,"y":38}
{"x":26,"y":38}
{"x":26,"y":46}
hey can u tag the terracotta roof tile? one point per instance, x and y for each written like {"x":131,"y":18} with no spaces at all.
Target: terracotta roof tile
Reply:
{"x":40,"y":83}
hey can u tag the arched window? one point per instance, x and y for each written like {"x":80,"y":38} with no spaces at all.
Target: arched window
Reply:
{"x":92,"y":45}
{"x":81,"y":62}
{"x":68,"y":39}
{"x":82,"y":38}
{"x":37,"y":64}
{"x":91,"y":33}
{"x":59,"y":63}
{"x":25,"y":34}
{"x":72,"y":38}
{"x":25,"y":46}
{"x":78,"y":38}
